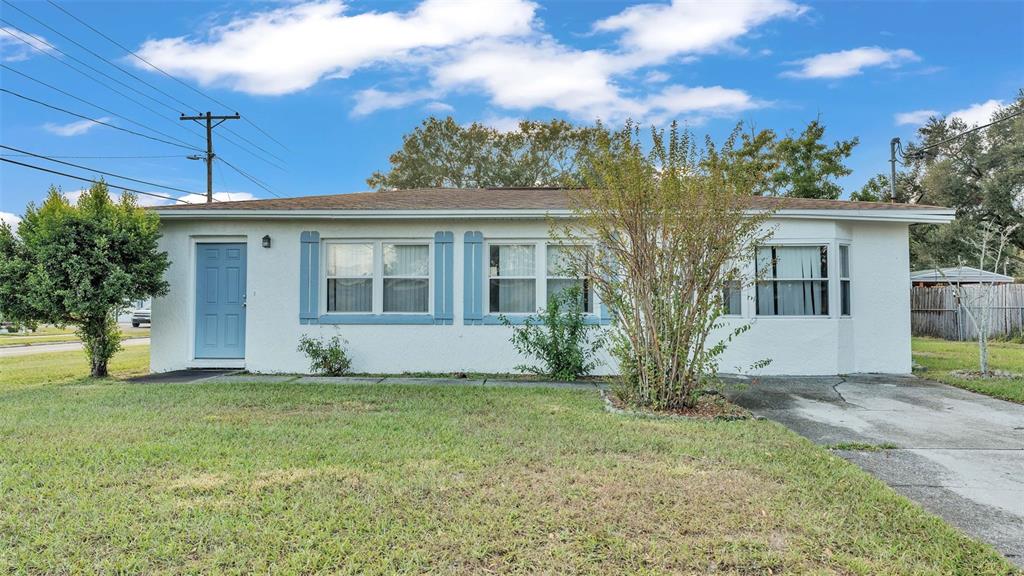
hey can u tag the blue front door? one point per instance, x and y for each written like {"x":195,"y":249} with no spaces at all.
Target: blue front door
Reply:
{"x":220,"y":300}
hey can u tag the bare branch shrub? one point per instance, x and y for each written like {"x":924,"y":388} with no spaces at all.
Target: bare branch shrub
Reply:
{"x":674,"y":226}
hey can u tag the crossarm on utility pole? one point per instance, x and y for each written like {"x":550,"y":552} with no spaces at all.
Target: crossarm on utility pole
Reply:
{"x":208,"y":120}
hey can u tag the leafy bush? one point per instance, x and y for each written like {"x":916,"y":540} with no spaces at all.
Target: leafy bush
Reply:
{"x":326,"y":357}
{"x":560,"y":338}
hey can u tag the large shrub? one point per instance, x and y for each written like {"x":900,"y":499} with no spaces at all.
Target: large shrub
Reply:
{"x":674,"y":223}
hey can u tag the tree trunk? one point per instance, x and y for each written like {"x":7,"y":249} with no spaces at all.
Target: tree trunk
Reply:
{"x":99,"y":368}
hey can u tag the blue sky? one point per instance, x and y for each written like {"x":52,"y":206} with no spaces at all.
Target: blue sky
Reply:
{"x":339,"y":83}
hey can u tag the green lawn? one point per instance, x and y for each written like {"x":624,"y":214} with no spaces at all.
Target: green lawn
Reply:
{"x":940,"y":357}
{"x":105,"y":477}
{"x":54,"y":335}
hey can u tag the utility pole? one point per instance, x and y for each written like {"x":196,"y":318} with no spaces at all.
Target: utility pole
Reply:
{"x":892,"y":172}
{"x":208,"y":120}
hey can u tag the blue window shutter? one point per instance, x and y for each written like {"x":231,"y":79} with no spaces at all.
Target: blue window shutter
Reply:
{"x":309,"y":277}
{"x":444,"y":277}
{"x":473,"y":278}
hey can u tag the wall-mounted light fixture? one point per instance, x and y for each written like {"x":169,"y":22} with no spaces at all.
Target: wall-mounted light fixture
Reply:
{"x":266,"y":241}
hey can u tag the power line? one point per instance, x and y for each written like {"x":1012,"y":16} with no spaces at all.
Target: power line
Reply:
{"x":99,"y":157}
{"x":73,"y":165}
{"x":162,"y":71}
{"x":100,"y":122}
{"x":127,"y":72}
{"x":112,"y":185}
{"x":114,"y":90}
{"x":919,"y":151}
{"x":249,"y":177}
{"x":97,"y":106}
{"x":90,"y":77}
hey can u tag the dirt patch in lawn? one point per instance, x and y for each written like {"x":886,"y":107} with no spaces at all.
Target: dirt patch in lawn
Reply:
{"x":709,"y":406}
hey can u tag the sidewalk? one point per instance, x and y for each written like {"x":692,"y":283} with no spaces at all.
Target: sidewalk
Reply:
{"x":206,"y":376}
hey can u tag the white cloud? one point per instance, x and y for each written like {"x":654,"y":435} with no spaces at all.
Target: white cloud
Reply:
{"x":371,"y":100}
{"x":14,"y":50}
{"x":656,"y":77}
{"x":291,"y":48}
{"x":850,"y":62}
{"x":497,"y":49}
{"x":10,"y":219}
{"x":217,"y":197}
{"x":693,"y":26}
{"x":973,"y":115}
{"x":145,"y":200}
{"x":438,"y":106}
{"x":977,"y":114}
{"x":73,"y":128}
{"x":502,"y":123}
{"x":915,"y":118}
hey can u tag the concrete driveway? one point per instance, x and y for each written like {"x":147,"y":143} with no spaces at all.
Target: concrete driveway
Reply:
{"x":959,"y":454}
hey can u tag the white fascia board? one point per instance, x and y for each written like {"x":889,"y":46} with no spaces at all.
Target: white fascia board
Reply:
{"x":923,"y":216}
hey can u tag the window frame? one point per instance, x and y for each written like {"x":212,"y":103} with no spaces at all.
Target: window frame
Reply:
{"x":377,"y":298}
{"x":587,"y":284}
{"x":540,"y":277}
{"x":538,"y":292}
{"x":827,"y":280}
{"x":845,"y":298}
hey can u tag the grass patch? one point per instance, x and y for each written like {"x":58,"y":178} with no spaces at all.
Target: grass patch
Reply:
{"x":863,"y":447}
{"x":54,"y":335}
{"x":34,"y":370}
{"x":940,"y":359}
{"x":112,"y":477}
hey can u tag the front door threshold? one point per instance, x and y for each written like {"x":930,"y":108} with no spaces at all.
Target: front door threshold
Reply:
{"x":217,"y":363}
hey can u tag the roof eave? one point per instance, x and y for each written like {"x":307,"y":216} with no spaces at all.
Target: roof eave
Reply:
{"x":922,"y":216}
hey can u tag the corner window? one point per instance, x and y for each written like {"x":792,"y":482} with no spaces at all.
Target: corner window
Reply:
{"x":406,"y":277}
{"x":844,"y":280}
{"x":792,"y":281}
{"x":512,"y":278}
{"x":350,"y":277}
{"x":560,"y":274}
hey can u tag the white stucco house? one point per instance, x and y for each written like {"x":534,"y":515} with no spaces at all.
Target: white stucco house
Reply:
{"x":414,"y":280}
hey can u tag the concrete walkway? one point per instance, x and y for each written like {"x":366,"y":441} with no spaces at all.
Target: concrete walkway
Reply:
{"x":959,"y":454}
{"x":237,"y":376}
{"x":59,"y":347}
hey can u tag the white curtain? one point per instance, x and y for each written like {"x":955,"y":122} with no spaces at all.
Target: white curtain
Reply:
{"x":790,"y":296}
{"x":513,"y":260}
{"x":406,"y":260}
{"x":350,"y":295}
{"x":349,"y":260}
{"x":559,"y":259}
{"x":406,"y":294}
{"x":513,"y":296}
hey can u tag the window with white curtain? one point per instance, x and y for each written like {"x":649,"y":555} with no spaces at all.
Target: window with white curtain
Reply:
{"x":512,"y":278}
{"x":377,"y":276}
{"x":844,"y":280}
{"x":406,"y":277}
{"x":560,"y":274}
{"x":350,"y":277}
{"x":792,"y":280}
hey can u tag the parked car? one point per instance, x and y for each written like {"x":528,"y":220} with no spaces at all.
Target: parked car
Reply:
{"x":140,"y":316}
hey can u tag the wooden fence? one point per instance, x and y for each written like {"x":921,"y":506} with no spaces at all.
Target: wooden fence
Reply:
{"x":935,"y":311}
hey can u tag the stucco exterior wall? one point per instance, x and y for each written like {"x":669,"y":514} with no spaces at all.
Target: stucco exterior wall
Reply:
{"x":876,"y":338}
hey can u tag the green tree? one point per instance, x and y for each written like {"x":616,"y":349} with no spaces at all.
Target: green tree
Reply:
{"x":980,"y":174}
{"x":81,"y":264}
{"x":444,"y":153}
{"x":801,"y":166}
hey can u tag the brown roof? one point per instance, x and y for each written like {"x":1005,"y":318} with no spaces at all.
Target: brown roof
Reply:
{"x":493,"y":199}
